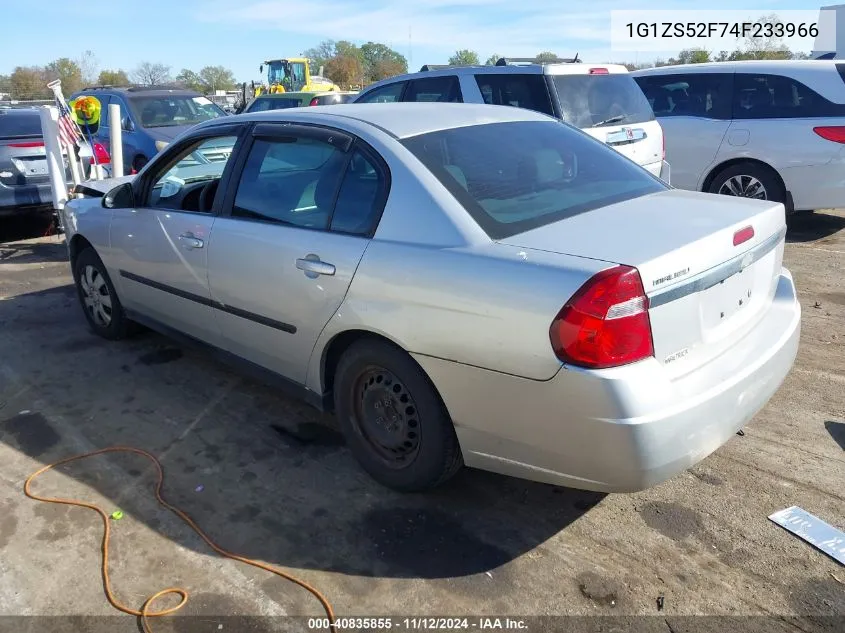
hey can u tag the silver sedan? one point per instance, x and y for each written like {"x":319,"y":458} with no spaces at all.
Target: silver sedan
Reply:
{"x":460,"y":284}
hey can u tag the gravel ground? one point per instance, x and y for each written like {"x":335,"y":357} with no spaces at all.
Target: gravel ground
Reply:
{"x":265,"y":477}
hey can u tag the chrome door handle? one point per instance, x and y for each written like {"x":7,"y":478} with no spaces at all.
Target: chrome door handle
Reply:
{"x":188,"y":240}
{"x":313,"y":266}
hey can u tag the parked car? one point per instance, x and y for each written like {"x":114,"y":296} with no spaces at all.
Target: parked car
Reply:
{"x":282,"y":100}
{"x":601,"y":99}
{"x":24,"y":180}
{"x":151,"y":117}
{"x":460,"y":284}
{"x":772,"y":130}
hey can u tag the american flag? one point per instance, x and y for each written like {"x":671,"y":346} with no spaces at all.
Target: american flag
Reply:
{"x":69,"y":132}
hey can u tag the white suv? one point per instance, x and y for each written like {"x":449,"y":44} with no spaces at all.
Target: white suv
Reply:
{"x":601,"y":99}
{"x":773,"y":130}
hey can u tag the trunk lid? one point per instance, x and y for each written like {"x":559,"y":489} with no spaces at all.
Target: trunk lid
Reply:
{"x":704,"y":291}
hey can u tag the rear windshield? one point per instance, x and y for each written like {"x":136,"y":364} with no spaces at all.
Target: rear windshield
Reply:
{"x":14,"y":124}
{"x":176,"y":110}
{"x":262,"y":105}
{"x":599,"y":100}
{"x":516,"y":176}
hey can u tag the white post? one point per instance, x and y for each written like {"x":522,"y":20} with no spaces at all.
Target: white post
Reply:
{"x":115,"y":140}
{"x":53,"y":151}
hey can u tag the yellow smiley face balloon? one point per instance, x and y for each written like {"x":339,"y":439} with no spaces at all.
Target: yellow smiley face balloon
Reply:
{"x":86,"y":110}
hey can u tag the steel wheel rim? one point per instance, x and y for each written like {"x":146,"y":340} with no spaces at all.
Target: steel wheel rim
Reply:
{"x":744,"y":186}
{"x":96,"y":296}
{"x":386,"y":417}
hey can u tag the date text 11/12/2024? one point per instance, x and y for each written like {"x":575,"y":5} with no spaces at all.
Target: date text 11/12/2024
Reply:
{"x":419,"y":623}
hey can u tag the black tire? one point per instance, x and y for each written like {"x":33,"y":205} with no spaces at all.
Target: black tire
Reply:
{"x":358,"y":393}
{"x":118,"y":325}
{"x":767,"y":177}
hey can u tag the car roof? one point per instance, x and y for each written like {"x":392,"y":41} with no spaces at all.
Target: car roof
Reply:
{"x":400,"y":120}
{"x":133,"y":91}
{"x":745,"y":65}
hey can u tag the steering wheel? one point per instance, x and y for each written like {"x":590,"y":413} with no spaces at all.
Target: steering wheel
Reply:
{"x":208,"y":191}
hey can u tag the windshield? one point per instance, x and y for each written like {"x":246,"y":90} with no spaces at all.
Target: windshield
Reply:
{"x":613,"y":99}
{"x":276,"y":72}
{"x":170,"y":111}
{"x":514,"y":177}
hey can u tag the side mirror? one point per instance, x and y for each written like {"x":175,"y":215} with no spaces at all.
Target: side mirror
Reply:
{"x":121,"y":197}
{"x":127,"y":124}
{"x":261,"y":69}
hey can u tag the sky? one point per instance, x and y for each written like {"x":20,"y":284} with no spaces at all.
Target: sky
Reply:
{"x":240,"y":34}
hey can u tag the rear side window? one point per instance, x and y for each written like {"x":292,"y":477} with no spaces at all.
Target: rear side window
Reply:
{"x":522,"y":91}
{"x":386,"y":94}
{"x":104,"y":111}
{"x":763,"y":96}
{"x":703,"y":95}
{"x":599,"y":100}
{"x":444,"y":89}
{"x":14,"y":124}
{"x":262,"y":105}
{"x":517,"y":176}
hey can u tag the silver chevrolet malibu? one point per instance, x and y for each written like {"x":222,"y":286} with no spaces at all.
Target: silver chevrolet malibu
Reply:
{"x":460,"y":284}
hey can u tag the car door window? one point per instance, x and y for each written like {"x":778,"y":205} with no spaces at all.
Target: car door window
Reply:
{"x":291,"y":180}
{"x":512,"y":89}
{"x":190,"y":183}
{"x":445,"y":89}
{"x":362,"y":196}
{"x":104,"y":114}
{"x":704,"y":95}
{"x":386,"y":94}
{"x":764,"y":96}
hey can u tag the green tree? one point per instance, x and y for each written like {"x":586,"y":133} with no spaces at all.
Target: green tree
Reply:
{"x":691,"y":56}
{"x":68,"y":71}
{"x":190,"y":79}
{"x":217,"y":78}
{"x":381,"y":61}
{"x":149,"y":74}
{"x":321,"y":53}
{"x":464,"y":57}
{"x":491,"y":61}
{"x":28,"y":82}
{"x":546,"y":56}
{"x":113,"y":78}
{"x":344,"y":70}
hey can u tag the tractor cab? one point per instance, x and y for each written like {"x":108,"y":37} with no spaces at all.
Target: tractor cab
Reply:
{"x":293,"y":75}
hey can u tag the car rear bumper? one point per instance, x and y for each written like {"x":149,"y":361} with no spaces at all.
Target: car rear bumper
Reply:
{"x":816,"y":186}
{"x":25,"y":198}
{"x":623,"y":429}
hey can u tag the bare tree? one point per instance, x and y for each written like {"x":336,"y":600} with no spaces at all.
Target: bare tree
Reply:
{"x":90,"y":67}
{"x":149,"y":74}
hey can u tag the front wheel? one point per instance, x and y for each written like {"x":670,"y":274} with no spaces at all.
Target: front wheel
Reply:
{"x":393,"y":419}
{"x":98,"y":297}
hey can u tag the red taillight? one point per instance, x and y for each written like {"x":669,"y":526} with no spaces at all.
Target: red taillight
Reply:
{"x":101,"y":155}
{"x":606,"y":323}
{"x":835,"y":133}
{"x":314,"y":101}
{"x":599,"y":71}
{"x":28,"y":144}
{"x":743,"y":235}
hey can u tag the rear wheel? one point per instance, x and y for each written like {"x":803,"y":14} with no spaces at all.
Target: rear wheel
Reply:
{"x":749,"y":180}
{"x":98,"y":297}
{"x":393,"y":418}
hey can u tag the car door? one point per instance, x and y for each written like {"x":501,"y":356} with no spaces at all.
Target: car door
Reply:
{"x":160,"y":246}
{"x":130,"y":136}
{"x":297,"y":219}
{"x":694,"y":110}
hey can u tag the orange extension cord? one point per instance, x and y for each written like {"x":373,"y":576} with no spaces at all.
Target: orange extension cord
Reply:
{"x":145,"y":613}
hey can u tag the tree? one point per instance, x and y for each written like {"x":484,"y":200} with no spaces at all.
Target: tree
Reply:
{"x":68,"y":71}
{"x":464,"y":57}
{"x":217,"y":78}
{"x":692,"y":56}
{"x":89,"y":66}
{"x":28,"y":82}
{"x":344,"y":70}
{"x":148,"y":74}
{"x":321,"y":53}
{"x":491,"y":61}
{"x":112,"y":78}
{"x":381,"y":61}
{"x":546,"y":56}
{"x":189,"y":79}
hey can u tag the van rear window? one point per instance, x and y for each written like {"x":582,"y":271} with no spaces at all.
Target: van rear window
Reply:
{"x":599,"y":100}
{"x":15,"y":124}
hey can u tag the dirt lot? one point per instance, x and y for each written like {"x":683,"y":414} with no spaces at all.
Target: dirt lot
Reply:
{"x":280,"y":486}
